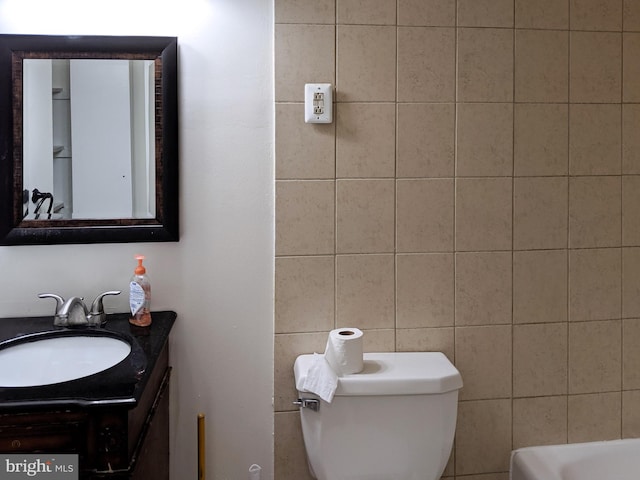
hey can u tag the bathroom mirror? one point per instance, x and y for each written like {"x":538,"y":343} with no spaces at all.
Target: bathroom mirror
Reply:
{"x":88,"y":139}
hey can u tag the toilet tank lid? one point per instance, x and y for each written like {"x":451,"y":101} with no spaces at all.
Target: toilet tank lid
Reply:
{"x":393,"y":373}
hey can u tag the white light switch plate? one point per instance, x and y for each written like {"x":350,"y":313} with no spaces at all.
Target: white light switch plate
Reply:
{"x":318,"y":103}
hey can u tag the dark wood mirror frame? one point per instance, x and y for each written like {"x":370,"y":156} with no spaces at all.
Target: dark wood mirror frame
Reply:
{"x":14,"y":230}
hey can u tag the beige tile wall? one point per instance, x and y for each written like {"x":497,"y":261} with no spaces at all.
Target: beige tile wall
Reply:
{"x":479,"y":194}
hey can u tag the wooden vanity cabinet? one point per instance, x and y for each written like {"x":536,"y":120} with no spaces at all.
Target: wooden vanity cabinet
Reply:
{"x":113,"y":441}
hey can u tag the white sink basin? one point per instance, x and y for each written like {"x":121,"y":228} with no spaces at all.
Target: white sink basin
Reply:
{"x":59,"y":359}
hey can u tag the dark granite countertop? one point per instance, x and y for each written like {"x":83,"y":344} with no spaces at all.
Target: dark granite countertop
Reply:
{"x":121,"y":384}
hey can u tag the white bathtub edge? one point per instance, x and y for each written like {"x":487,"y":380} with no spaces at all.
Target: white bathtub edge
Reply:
{"x":547,"y":462}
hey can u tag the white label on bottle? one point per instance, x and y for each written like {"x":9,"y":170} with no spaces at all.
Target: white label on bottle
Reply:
{"x":136,"y":297}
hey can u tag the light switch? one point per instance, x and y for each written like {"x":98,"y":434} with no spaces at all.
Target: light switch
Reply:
{"x":318,"y":103}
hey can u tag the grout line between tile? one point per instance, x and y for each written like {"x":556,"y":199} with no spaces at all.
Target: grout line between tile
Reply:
{"x":568,"y":261}
{"x":513,"y":219}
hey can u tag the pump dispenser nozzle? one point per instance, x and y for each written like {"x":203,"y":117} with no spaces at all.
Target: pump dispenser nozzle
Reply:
{"x":140,"y":270}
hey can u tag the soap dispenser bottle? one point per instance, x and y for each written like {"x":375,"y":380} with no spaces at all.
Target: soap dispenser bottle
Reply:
{"x":140,"y":295}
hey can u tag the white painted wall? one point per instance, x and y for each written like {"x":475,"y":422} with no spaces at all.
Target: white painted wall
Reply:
{"x":219,"y":277}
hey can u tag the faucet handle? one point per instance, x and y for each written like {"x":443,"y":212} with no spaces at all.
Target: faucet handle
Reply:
{"x":96,"y":306}
{"x":59,"y":300}
{"x":96,"y":314}
{"x":57,"y":318}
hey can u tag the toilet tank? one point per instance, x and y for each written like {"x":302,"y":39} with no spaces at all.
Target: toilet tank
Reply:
{"x":394,"y":420}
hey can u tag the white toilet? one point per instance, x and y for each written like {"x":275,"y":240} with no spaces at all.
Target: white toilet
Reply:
{"x":395,"y":420}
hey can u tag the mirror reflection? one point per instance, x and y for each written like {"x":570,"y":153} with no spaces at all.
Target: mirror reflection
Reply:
{"x":88,"y":138}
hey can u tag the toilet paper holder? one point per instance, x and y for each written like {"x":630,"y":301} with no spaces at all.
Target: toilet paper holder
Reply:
{"x":310,"y":403}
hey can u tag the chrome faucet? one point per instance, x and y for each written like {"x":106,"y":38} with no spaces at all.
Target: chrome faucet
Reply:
{"x":74,"y":312}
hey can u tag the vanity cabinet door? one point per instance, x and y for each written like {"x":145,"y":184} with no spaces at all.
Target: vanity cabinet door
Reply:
{"x":153,"y":454}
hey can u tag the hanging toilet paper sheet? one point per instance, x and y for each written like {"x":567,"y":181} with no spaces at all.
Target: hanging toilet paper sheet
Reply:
{"x":342,"y":356}
{"x":321,"y":379}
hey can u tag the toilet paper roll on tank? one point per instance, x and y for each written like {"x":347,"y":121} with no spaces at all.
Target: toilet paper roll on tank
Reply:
{"x":343,"y":355}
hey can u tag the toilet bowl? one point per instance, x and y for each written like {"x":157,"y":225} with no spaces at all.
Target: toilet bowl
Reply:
{"x":395,"y":420}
